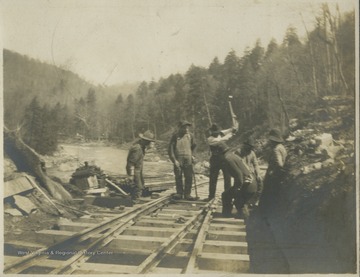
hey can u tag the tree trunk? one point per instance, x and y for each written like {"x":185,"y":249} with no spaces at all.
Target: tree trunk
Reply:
{"x":335,"y":47}
{"x":314,"y":73}
{"x":286,"y":127}
{"x":26,"y":159}
{"x":207,"y":109}
{"x":162,"y":112}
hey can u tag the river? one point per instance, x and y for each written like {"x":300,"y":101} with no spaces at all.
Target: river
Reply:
{"x":110,"y":159}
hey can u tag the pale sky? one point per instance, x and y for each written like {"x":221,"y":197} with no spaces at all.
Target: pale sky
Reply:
{"x":115,"y":41}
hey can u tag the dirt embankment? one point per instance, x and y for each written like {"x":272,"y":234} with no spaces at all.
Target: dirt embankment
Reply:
{"x":312,"y":222}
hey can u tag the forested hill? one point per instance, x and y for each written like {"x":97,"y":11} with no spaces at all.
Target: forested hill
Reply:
{"x":269,"y":85}
{"x":25,"y":78}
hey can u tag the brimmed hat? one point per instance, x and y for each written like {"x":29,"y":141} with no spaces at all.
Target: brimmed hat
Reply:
{"x":148,"y":135}
{"x":250,"y":141}
{"x":275,"y":135}
{"x":184,"y":123}
{"x":214,"y":129}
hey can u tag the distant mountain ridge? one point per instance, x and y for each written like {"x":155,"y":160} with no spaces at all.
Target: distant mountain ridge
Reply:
{"x":25,"y":78}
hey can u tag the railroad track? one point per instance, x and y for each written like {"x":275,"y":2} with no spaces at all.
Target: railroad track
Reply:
{"x":156,"y":236}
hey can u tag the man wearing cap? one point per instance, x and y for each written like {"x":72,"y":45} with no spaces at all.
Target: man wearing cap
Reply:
{"x":236,"y":169}
{"x":181,"y":149}
{"x":275,"y":172}
{"x":217,"y":136}
{"x":250,"y":195}
{"x":135,"y":160}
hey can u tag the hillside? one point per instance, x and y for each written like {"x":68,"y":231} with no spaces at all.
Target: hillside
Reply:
{"x":25,"y":78}
{"x":313,"y":219}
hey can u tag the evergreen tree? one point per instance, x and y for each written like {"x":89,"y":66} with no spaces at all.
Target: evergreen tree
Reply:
{"x":33,"y":124}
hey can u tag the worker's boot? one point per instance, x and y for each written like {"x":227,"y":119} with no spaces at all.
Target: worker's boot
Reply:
{"x":190,"y":198}
{"x":177,"y":196}
{"x":245,"y":211}
{"x":226,"y":204}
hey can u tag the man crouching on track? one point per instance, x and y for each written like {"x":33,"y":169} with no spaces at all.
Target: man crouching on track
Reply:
{"x":242,"y":182}
{"x":135,"y":161}
{"x":247,"y":154}
{"x":181,"y":149}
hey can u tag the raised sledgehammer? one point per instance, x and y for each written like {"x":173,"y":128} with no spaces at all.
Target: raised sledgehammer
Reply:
{"x":233,"y":116}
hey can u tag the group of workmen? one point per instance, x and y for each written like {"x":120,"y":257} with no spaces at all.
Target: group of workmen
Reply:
{"x":248,"y":188}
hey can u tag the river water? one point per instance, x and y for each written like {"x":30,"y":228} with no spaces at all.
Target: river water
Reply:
{"x":110,"y":159}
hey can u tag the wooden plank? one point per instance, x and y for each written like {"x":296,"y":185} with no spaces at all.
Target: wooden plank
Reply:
{"x":158,"y":223}
{"x":75,"y":226}
{"x":116,"y":187}
{"x":164,"y":217}
{"x":10,"y":259}
{"x":219,"y":256}
{"x":225,"y":247}
{"x":50,"y":263}
{"x":108,"y":201}
{"x":25,"y":244}
{"x":149,"y":231}
{"x":178,"y":212}
{"x":227,"y":227}
{"x":228,"y":221}
{"x":236,"y":263}
{"x":49,"y":237}
{"x":136,"y":242}
{"x":166,"y":270}
{"x":16,"y":186}
{"x":99,"y":268}
{"x":24,"y":204}
{"x":226,"y":235}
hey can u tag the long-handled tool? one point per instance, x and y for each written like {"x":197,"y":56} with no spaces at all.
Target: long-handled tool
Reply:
{"x":33,"y":183}
{"x":194,"y":180}
{"x":233,"y":116}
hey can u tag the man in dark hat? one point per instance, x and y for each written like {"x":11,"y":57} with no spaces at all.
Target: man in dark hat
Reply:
{"x":250,"y":160}
{"x":218,"y":136}
{"x":236,"y":169}
{"x":181,"y":153}
{"x":135,"y":160}
{"x":276,"y":168}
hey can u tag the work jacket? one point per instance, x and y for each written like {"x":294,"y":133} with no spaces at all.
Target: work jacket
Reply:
{"x":135,"y":159}
{"x":251,"y":161}
{"x":236,"y":168}
{"x":277,"y":160}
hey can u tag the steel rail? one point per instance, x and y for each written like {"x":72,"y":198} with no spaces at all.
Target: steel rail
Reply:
{"x":200,"y":239}
{"x":156,"y":257}
{"x":74,"y":263}
{"x":36,"y":256}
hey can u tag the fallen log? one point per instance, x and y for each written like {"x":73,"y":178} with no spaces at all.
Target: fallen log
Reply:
{"x":26,"y":159}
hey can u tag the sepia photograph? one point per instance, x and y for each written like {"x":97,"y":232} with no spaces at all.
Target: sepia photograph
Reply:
{"x":167,"y":137}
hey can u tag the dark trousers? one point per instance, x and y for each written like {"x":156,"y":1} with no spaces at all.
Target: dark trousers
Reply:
{"x":271,"y":190}
{"x":233,"y":196}
{"x":185,"y":169}
{"x":216,"y":164}
{"x":138,"y":182}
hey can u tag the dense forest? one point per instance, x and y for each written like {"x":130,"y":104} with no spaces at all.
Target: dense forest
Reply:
{"x":269,"y":85}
